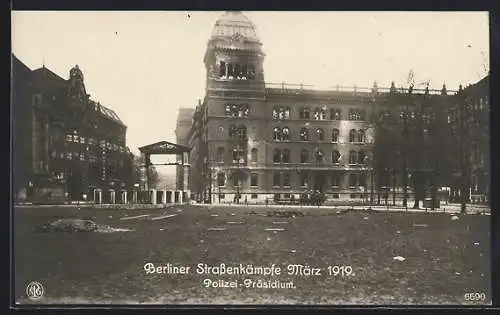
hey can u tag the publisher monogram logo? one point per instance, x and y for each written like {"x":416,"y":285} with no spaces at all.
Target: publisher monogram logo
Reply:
{"x":34,"y":290}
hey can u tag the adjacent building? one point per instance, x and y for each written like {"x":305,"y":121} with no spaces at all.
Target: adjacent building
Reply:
{"x":468,"y":117}
{"x":183,"y":125}
{"x":259,"y":141}
{"x":64,"y":143}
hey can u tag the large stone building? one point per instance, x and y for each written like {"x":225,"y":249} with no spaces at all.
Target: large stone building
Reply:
{"x":265,"y":141}
{"x":470,"y":130}
{"x":65,"y":144}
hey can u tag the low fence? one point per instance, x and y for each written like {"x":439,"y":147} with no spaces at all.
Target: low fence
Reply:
{"x":151,"y":196}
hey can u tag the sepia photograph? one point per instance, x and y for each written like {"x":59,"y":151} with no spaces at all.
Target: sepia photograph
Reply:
{"x":250,"y":158}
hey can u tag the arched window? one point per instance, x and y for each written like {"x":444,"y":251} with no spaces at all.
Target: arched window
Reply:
{"x":276,"y":134}
{"x":254,"y":155}
{"x":361,"y":157}
{"x":335,"y":135}
{"x":285,"y":157}
{"x":304,"y":113}
{"x":353,"y":157}
{"x":285,"y":134}
{"x":361,"y":136}
{"x":281,"y":113}
{"x":221,"y":179}
{"x":220,"y":154}
{"x":244,"y":110}
{"x":320,"y":134}
{"x":335,"y":157}
{"x":304,"y":134}
{"x":320,"y":156}
{"x":222,"y":70}
{"x":304,"y":156}
{"x":277,"y":156}
{"x":352,"y":135}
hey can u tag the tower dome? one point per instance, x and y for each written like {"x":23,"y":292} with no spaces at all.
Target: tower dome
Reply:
{"x":235,"y":23}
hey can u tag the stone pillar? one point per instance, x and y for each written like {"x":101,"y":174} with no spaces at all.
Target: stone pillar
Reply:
{"x":134,"y":196}
{"x":164,"y":197}
{"x":180,"y":196}
{"x":97,"y":196}
{"x":153,"y":196}
{"x":172,"y":196}
{"x":124,"y":197}
{"x":188,"y":195}
{"x":112,"y":194}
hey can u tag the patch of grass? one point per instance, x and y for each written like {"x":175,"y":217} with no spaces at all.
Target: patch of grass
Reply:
{"x":444,"y":260}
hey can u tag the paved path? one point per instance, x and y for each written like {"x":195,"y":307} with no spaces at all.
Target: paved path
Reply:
{"x":449,"y":208}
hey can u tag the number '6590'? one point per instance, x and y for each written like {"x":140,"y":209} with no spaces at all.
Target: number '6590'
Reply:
{"x":475,"y":296}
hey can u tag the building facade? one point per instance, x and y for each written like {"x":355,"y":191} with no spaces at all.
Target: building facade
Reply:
{"x":262,"y":141}
{"x":468,"y":117}
{"x":65,"y":144}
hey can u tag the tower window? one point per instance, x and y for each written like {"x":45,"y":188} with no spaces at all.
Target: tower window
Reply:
{"x":222,"y":70}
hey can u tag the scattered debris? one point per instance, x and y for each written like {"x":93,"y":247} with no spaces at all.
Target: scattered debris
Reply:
{"x":136,"y":217}
{"x":271,"y":229}
{"x":111,"y":217}
{"x":164,"y":217}
{"x":425,"y":250}
{"x":234,"y":222}
{"x":454,"y":217}
{"x":233,"y":214}
{"x":398,"y":232}
{"x":216,"y":229}
{"x":214,"y":215}
{"x":161,"y":229}
{"x":285,"y":213}
{"x":280,"y":222}
{"x":68,"y":225}
{"x":476,"y":243}
{"x":109,"y":229}
{"x":293,"y":251}
{"x":399,"y":258}
{"x":268,"y":238}
{"x":365,"y":218}
{"x":420,"y":225}
{"x":457,"y":273}
{"x":202,"y":241}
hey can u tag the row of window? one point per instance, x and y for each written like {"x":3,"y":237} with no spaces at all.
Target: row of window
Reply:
{"x":283,"y":134}
{"x":282,"y":179}
{"x":277,"y":196}
{"x":283,"y":156}
{"x":91,"y":158}
{"x":237,"y":110}
{"x":90,"y":141}
{"x":319,"y":113}
{"x":236,"y":71}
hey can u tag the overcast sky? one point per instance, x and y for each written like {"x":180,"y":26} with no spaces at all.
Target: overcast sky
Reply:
{"x":145,"y":65}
